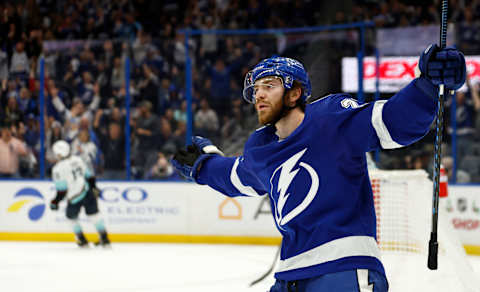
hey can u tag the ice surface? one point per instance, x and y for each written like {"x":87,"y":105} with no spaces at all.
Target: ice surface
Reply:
{"x":137,"y":267}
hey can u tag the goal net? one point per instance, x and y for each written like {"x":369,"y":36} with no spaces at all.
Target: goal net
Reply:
{"x":403,"y":204}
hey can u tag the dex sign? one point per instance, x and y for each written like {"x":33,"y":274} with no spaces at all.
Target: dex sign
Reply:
{"x":394,"y":72}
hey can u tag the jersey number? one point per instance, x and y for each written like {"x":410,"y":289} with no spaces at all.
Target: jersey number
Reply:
{"x":76,"y":172}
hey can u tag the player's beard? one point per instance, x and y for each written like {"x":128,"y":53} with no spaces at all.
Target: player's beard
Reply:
{"x":271,"y":114}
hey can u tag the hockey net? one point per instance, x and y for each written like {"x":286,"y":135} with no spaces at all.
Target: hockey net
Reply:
{"x":403,"y":204}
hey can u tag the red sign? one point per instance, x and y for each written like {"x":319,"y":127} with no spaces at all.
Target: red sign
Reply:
{"x":394,"y":72}
{"x":467,"y":224}
{"x":391,"y":69}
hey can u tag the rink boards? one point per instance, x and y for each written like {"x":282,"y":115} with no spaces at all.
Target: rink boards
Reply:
{"x":140,"y":212}
{"x":179,"y":212}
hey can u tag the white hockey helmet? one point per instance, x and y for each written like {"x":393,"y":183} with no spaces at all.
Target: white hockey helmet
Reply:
{"x":61,"y":149}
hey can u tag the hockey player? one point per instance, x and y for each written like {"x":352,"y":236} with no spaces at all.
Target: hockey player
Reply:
{"x":310,"y":160}
{"x":74,"y":181}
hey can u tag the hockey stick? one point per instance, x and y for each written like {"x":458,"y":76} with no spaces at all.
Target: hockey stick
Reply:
{"x":433,"y":243}
{"x":269,"y":270}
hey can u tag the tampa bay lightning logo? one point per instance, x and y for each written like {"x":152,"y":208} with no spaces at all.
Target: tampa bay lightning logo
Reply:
{"x":280,"y":183}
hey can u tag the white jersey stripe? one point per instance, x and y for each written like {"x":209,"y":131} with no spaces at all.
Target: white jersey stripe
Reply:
{"x":382,"y":132}
{"x":235,"y":179}
{"x":336,"y":249}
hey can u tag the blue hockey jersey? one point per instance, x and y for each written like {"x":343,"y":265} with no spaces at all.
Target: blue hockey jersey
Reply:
{"x":317,"y":178}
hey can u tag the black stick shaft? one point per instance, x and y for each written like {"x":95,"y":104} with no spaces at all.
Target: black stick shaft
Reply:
{"x":433,"y":243}
{"x":270,"y":270}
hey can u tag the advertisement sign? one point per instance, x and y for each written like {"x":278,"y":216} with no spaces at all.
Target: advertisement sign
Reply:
{"x":394,"y":73}
{"x":179,"y":210}
{"x":213,"y":213}
{"x":463,"y":207}
{"x":139,"y":208}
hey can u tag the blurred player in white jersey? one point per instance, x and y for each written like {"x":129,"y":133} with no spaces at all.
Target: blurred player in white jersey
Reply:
{"x":75,"y":182}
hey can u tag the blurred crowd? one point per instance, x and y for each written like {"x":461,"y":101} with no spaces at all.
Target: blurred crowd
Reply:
{"x":85,"y":45}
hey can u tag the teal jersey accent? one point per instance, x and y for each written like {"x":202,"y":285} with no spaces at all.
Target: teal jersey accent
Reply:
{"x":82,"y":194}
{"x":88,"y":173}
{"x":61,"y":185}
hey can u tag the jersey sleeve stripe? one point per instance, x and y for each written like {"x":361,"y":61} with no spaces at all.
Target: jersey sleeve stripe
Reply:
{"x":380,"y":128}
{"x":61,"y":185}
{"x":235,"y":179}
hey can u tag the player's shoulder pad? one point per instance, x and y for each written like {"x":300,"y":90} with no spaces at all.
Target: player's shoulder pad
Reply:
{"x":335,"y":103}
{"x":57,"y":170}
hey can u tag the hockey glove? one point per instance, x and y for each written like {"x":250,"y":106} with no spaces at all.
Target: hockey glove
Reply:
{"x":96,"y":192}
{"x":188,"y":160}
{"x":443,"y":66}
{"x":54,"y":202}
{"x":92,"y":183}
{"x":53,"y":205}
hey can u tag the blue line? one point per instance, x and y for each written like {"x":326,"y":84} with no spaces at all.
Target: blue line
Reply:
{"x":42,"y":118}
{"x":277,"y":31}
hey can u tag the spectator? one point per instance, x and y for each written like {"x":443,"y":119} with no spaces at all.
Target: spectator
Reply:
{"x":113,"y":149}
{"x":167,"y":140}
{"x":32,"y":132}
{"x":208,"y":48}
{"x":148,"y":85}
{"x":118,"y":74}
{"x":163,"y":96}
{"x":3,"y":65}
{"x":78,"y":110}
{"x":26,"y":104}
{"x":19,"y":64}
{"x":162,"y":169}
{"x":206,"y":120}
{"x":180,"y":133}
{"x":13,"y":113}
{"x":467,"y":106}
{"x":11,"y":149}
{"x":141,"y":46}
{"x":220,"y":87}
{"x":146,"y":132}
{"x":83,"y":146}
{"x":54,"y":133}
{"x":461,"y":177}
{"x":86,"y":89}
{"x":180,"y":114}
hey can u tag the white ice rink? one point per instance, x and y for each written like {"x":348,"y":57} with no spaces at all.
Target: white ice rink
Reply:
{"x":62,"y":267}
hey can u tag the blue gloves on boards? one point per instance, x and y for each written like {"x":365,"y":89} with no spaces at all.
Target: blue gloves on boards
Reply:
{"x":443,"y":66}
{"x":188,"y":160}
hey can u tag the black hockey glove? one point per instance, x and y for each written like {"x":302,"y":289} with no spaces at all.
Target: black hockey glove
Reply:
{"x":188,"y":160}
{"x":55,"y":201}
{"x":92,"y":182}
{"x":53,"y":205}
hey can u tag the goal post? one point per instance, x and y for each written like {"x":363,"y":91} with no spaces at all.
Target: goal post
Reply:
{"x":403,"y":206}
